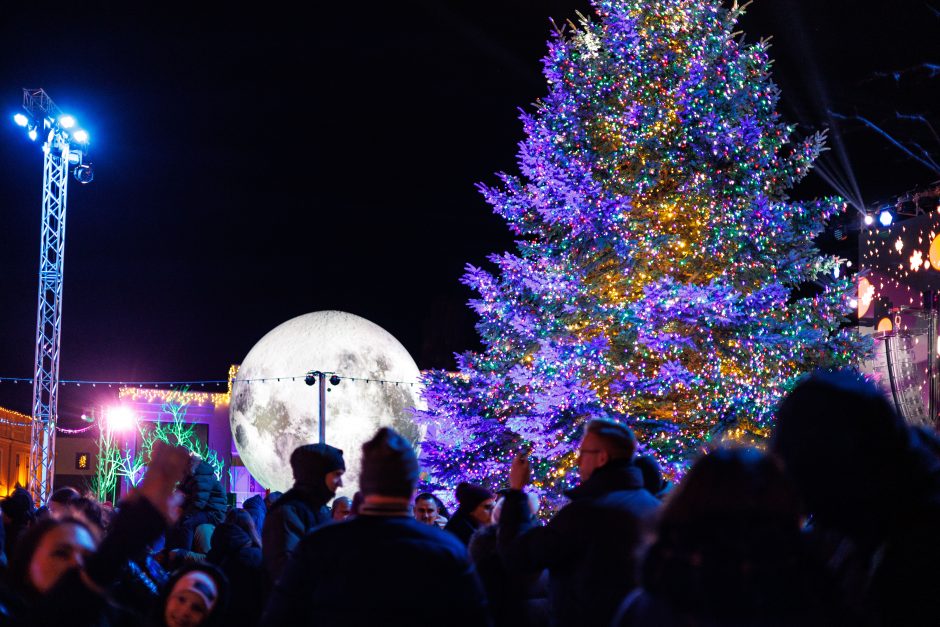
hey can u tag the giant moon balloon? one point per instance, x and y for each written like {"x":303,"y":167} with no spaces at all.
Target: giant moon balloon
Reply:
{"x":273,"y":411}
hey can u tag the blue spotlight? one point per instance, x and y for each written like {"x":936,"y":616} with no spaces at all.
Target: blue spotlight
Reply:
{"x":885,"y":218}
{"x":81,"y":137}
{"x":20,"y":119}
{"x":33,"y":134}
{"x":66,"y":121}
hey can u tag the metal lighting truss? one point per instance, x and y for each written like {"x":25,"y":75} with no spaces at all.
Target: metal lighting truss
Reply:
{"x":58,"y":155}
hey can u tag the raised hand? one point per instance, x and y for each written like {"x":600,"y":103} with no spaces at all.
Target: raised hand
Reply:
{"x":520,"y":472}
{"x":168,"y":465}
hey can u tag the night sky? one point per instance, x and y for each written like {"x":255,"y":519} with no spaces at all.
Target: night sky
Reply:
{"x":256,"y":166}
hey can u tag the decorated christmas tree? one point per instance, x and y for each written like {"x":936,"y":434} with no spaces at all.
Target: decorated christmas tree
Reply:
{"x":661,"y":274}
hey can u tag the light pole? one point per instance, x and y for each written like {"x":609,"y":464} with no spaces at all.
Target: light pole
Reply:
{"x":64,"y":146}
{"x":313,"y":378}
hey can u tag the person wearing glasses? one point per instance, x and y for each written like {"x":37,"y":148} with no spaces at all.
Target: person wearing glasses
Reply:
{"x":589,"y":547}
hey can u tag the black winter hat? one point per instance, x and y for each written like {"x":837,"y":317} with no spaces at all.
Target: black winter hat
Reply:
{"x":19,"y":505}
{"x":470,"y":495}
{"x":389,"y":465}
{"x":312,"y":462}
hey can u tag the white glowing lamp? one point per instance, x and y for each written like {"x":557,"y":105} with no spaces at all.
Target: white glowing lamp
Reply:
{"x":120,"y":418}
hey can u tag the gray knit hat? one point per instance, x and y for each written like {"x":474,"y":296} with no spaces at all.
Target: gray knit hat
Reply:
{"x":389,"y":465}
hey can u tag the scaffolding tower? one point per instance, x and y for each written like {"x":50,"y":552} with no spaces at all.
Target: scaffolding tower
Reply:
{"x":62,"y":148}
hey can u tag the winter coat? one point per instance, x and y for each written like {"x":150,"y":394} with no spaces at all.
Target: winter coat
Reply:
{"x":889,"y":572}
{"x":139,"y":585}
{"x":515,"y":599}
{"x":589,"y":547}
{"x":462,"y":525}
{"x":204,"y":493}
{"x":236,"y":556}
{"x":378,"y":570}
{"x":731,"y":571}
{"x":258,"y":510}
{"x":297,"y":513}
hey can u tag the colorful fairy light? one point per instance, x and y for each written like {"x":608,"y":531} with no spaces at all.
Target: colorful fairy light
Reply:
{"x":657,"y":256}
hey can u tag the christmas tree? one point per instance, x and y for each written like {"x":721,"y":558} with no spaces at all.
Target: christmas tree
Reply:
{"x":660,"y":273}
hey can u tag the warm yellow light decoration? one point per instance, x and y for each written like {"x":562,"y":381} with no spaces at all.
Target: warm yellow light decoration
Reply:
{"x":885,"y":325}
{"x":232,"y":372}
{"x":14,"y":416}
{"x":150,"y":395}
{"x":866,"y":293}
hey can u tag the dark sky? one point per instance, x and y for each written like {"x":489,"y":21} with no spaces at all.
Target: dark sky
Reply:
{"x":255,"y":166}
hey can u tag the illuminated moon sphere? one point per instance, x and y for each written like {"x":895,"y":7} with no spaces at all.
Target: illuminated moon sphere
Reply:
{"x":271,"y":418}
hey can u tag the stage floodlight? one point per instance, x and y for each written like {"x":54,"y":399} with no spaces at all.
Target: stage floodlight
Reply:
{"x":84,"y":174}
{"x":21,"y":120}
{"x":885,"y":218}
{"x":33,"y":134}
{"x":869,"y":219}
{"x":66,"y":121}
{"x":81,"y":136}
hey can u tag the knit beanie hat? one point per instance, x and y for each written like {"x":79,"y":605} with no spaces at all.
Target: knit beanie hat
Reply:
{"x":312,"y":462}
{"x":201,"y":584}
{"x":389,"y":465}
{"x":470,"y":495}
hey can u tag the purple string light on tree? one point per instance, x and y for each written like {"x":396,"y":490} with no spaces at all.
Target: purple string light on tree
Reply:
{"x":657,"y":260}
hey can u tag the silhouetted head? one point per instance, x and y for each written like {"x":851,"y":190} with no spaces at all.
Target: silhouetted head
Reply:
{"x":844,"y":446}
{"x":739,"y":484}
{"x":389,"y":465}
{"x":653,"y":480}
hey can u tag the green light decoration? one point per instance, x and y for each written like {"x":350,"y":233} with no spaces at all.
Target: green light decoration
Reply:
{"x":179,"y":433}
{"x":115,"y":462}
{"x":104,"y":481}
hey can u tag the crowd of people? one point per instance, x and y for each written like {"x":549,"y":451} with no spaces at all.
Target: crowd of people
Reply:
{"x":836,"y":523}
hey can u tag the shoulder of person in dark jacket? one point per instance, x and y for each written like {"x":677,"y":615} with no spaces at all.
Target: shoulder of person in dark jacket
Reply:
{"x":589,"y":547}
{"x":255,"y":506}
{"x":204,"y":492}
{"x":231,"y":543}
{"x":356,"y":587}
{"x":290,"y":519}
{"x":462,"y":526}
{"x":733,"y":570}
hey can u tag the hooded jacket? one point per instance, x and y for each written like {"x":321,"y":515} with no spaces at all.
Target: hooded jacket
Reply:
{"x":258,"y":510}
{"x":235,"y":555}
{"x":204,"y":493}
{"x":302,"y":508}
{"x":589,"y":547}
